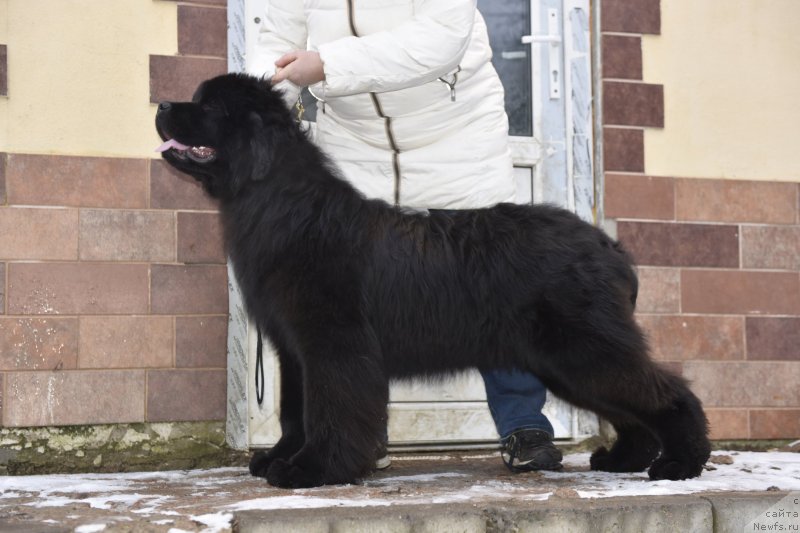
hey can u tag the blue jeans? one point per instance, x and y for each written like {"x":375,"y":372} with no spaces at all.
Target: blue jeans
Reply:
{"x":515,"y":400}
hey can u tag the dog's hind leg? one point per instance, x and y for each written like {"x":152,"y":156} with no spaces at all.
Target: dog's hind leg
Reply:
{"x":291,"y":417}
{"x":607,"y":370}
{"x":346,"y":392}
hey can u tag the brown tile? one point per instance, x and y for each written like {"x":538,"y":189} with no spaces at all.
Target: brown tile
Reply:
{"x":112,"y":235}
{"x":201,"y":341}
{"x":179,"y":289}
{"x":177,"y":395}
{"x":670,"y":244}
{"x":76,"y":181}
{"x":642,"y":197}
{"x":735,"y":201}
{"x":175,"y":78}
{"x":773,"y":338}
{"x":633,"y":104}
{"x":678,"y":338}
{"x":740,"y":292}
{"x":623,"y":149}
{"x":774,"y":247}
{"x":659,"y":290}
{"x":631,"y":16}
{"x":675,"y":367}
{"x":38,"y":343}
{"x":727,"y":424}
{"x":3,"y":165}
{"x":29,"y":233}
{"x":170,"y":189}
{"x":74,"y":397}
{"x":126,"y":342}
{"x":3,"y":70}
{"x":2,"y":288}
{"x":77,"y":288}
{"x":774,"y":423}
{"x":202,"y":31}
{"x":200,"y":238}
{"x":622,"y":57}
{"x":744,"y":384}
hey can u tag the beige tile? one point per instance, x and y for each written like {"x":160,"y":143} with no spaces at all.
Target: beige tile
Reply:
{"x":115,"y":235}
{"x":745,"y":384}
{"x":29,"y":233}
{"x":659,"y":290}
{"x":740,"y":292}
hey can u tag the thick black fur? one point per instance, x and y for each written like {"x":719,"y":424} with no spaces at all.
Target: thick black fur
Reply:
{"x":353,"y":292}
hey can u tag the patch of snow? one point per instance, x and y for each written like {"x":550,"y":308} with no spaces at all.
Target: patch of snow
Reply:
{"x":420,"y":478}
{"x":215,"y":521}
{"x":90,"y":528}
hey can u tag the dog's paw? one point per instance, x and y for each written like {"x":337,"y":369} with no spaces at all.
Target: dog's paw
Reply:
{"x":666,"y":468}
{"x":284,"y":474}
{"x":608,"y":461}
{"x":259,"y":463}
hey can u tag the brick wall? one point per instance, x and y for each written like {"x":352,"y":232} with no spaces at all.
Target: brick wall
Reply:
{"x":719,"y":259}
{"x":113,"y":286}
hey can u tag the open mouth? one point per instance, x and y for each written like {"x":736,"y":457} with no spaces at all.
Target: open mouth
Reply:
{"x":199,"y":154}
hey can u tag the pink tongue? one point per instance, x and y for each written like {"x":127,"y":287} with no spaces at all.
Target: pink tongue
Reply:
{"x":172,"y":143}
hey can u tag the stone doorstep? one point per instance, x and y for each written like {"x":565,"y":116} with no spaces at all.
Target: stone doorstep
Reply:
{"x":698,"y":513}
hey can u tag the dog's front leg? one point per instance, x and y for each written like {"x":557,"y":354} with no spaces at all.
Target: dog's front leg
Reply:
{"x":346,"y":392}
{"x":291,"y":417}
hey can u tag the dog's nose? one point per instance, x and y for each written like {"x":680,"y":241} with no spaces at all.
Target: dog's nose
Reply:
{"x":164,"y":106}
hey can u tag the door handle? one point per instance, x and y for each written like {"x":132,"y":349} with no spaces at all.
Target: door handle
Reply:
{"x":553,"y":38}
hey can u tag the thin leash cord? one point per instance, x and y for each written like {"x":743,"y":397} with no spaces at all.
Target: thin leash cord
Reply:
{"x":259,"y":370}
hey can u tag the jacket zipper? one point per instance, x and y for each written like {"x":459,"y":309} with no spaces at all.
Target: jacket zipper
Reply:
{"x":387,"y":121}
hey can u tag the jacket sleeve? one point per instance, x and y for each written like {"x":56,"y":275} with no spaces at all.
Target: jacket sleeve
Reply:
{"x":283,"y":29}
{"x":418,"y":51}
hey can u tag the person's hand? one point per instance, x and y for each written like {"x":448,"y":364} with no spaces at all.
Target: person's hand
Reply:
{"x":301,"y":67}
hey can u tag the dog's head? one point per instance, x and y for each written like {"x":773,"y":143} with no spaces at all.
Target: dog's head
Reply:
{"x":227,"y":135}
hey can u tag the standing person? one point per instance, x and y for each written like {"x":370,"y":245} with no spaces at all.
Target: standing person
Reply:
{"x":412,"y":111}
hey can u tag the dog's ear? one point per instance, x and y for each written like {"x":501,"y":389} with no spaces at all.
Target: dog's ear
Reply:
{"x":260,"y":146}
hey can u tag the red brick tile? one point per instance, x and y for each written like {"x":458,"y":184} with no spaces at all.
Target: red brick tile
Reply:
{"x":2,"y":288}
{"x":177,"y":395}
{"x":623,"y":149}
{"x":678,"y":338}
{"x":744,"y":384}
{"x":201,"y":341}
{"x":633,"y":104}
{"x":775,"y":423}
{"x":112,"y":235}
{"x":3,"y":163}
{"x":77,"y":288}
{"x":631,"y":16}
{"x":727,"y":424}
{"x":189,"y":289}
{"x":669,"y":244}
{"x":774,"y":247}
{"x":735,"y":201}
{"x":622,"y":57}
{"x":740,"y":292}
{"x":126,"y":342}
{"x":202,"y":31}
{"x":77,"y":181}
{"x":642,"y":197}
{"x":773,"y":338}
{"x":175,"y":78}
{"x":74,"y":397}
{"x":170,"y":189}
{"x":28,"y":233}
{"x":38,"y":343}
{"x":200,"y":238}
{"x":659,"y":290}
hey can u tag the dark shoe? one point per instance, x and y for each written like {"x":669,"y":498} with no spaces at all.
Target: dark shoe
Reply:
{"x":530,"y":449}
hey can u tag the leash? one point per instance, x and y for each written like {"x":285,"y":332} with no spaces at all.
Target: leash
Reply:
{"x":259,"y":369}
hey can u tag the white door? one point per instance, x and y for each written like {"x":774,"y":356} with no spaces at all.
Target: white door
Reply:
{"x":541,"y":51}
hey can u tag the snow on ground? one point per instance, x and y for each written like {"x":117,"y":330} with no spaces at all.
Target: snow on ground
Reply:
{"x":205,"y":500}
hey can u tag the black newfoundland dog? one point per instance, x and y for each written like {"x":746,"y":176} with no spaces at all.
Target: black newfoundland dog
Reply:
{"x":353,"y":293}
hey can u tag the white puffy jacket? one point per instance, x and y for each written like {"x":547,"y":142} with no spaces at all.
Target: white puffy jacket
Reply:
{"x":387,"y":114}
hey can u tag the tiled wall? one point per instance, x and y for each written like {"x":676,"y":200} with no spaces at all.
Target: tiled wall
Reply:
{"x":113,"y":285}
{"x":719,"y":259}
